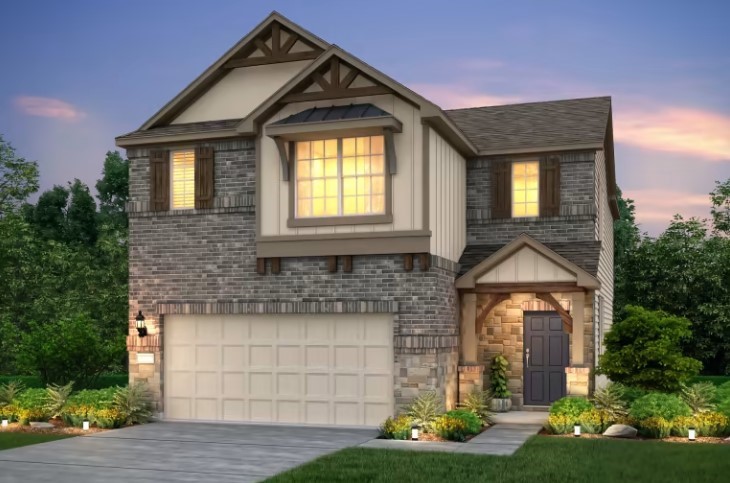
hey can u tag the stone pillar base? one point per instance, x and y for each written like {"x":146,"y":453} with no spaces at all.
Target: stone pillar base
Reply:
{"x":577,"y":381}
{"x":470,"y":378}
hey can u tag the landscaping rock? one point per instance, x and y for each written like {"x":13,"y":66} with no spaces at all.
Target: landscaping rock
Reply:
{"x":38,"y":425}
{"x":620,"y":431}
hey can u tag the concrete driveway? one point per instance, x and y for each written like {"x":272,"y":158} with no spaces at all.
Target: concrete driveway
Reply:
{"x":179,"y":452}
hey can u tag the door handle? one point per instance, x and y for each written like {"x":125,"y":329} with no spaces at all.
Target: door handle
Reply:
{"x":527,"y":357}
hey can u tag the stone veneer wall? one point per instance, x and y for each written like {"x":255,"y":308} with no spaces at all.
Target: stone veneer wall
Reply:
{"x":577,"y":204}
{"x":204,"y":261}
{"x":503,"y":333}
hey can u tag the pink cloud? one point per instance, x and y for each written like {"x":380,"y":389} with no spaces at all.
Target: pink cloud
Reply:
{"x":454,"y":96}
{"x":694,"y":132}
{"x":48,"y":107}
{"x":660,"y":205}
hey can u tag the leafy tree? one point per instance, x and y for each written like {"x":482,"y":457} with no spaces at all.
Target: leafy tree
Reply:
{"x":69,"y":349}
{"x":626,"y":238}
{"x":720,"y":210}
{"x":81,"y":217}
{"x":18,"y":178}
{"x":645,"y":350}
{"x":113,"y":189}
{"x":66,"y":215}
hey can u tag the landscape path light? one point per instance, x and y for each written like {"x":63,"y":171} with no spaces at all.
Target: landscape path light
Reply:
{"x":576,"y":430}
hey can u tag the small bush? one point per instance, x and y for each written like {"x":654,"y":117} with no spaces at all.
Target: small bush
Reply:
{"x":610,"y":400}
{"x":95,"y":406}
{"x":133,"y":403}
{"x":57,"y":398}
{"x":472,"y":421}
{"x":681,"y":425}
{"x":631,"y":394}
{"x":398,"y":428}
{"x":654,"y":427}
{"x":595,"y":421}
{"x":425,"y":409}
{"x":571,"y":407}
{"x":498,"y":377}
{"x":104,"y":381}
{"x":712,"y":424}
{"x":451,"y":428}
{"x":560,"y":424}
{"x":478,"y":402}
{"x":32,"y":406}
{"x":699,"y":396}
{"x":10,"y":391}
{"x":9,"y":412}
{"x":722,"y":399}
{"x":659,"y":405}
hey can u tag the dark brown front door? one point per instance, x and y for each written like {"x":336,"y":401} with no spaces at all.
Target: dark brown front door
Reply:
{"x":545,"y":358}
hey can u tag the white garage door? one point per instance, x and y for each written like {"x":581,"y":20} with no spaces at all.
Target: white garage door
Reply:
{"x":312,"y":369}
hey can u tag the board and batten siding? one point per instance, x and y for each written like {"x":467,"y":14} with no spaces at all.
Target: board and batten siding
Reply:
{"x":241,"y":91}
{"x":604,"y":233}
{"x":407,"y":183}
{"x":447,"y":201}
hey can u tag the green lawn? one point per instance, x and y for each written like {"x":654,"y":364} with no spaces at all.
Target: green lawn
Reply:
{"x":13,"y":440}
{"x":542,"y":459}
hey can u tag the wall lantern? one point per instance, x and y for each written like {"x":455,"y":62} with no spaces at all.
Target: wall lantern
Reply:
{"x":576,"y":430}
{"x":141,"y":327}
{"x":5,"y":423}
{"x":692,"y":434}
{"x":414,"y":432}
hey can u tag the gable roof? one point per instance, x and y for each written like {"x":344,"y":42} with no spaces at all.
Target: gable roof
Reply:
{"x":535,"y":125}
{"x":477,"y":261}
{"x":216,"y":71}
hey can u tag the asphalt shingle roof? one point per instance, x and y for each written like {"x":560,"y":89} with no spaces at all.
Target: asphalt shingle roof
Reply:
{"x":583,"y":253}
{"x":534,"y":124}
{"x":189,"y":127}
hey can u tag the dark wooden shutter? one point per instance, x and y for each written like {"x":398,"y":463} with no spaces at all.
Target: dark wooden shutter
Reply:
{"x":550,"y":186}
{"x":501,"y":189}
{"x":204,"y":169}
{"x":159,"y":180}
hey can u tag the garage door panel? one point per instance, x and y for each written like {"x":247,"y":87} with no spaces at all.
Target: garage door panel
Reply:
{"x":314,"y":369}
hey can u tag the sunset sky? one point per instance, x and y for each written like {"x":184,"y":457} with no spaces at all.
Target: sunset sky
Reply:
{"x":75,"y":74}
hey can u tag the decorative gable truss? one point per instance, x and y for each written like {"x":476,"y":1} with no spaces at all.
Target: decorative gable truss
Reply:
{"x":274,"y":45}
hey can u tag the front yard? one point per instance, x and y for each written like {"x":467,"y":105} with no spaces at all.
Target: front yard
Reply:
{"x":540,"y":459}
{"x":16,"y":439}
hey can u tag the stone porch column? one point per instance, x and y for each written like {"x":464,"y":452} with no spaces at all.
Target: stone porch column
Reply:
{"x":578,"y":375}
{"x":468,"y":353}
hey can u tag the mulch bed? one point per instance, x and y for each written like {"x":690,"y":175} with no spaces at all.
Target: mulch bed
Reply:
{"x":671,"y":439}
{"x":438,"y":439}
{"x":59,"y":427}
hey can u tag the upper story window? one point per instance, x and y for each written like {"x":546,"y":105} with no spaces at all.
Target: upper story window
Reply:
{"x":340,"y":177}
{"x":182,"y":179}
{"x":525,"y":189}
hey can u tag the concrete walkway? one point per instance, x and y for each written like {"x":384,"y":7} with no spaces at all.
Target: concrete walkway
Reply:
{"x":176,"y":452}
{"x":510,"y":432}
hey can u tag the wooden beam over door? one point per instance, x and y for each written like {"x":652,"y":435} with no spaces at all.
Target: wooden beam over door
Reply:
{"x":564,"y":315}
{"x":523,"y":288}
{"x":493,"y":301}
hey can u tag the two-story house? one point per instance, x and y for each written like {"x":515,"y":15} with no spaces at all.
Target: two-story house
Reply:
{"x":313,"y":242}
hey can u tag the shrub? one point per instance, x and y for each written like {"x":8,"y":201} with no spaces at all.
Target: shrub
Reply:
{"x":398,"y":428}
{"x":451,"y":428}
{"x":9,"y":412}
{"x":610,"y":400}
{"x":712,"y":424}
{"x":498,"y":377}
{"x":654,"y":427}
{"x":68,"y":349}
{"x":93,"y":405}
{"x":560,"y":424}
{"x":595,"y":421}
{"x":57,"y":398}
{"x":681,"y":425}
{"x":699,"y":396}
{"x":478,"y":402}
{"x":133,"y":403}
{"x":722,"y":399}
{"x":571,"y":407}
{"x":645,"y":350}
{"x":631,"y":394}
{"x":104,"y":381}
{"x":425,"y":409}
{"x":657,"y":404}
{"x":472,"y":421}
{"x":32,"y":406}
{"x":10,"y":391}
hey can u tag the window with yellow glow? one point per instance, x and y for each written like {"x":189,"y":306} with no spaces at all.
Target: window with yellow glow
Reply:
{"x":182,"y":179}
{"x":525,"y":189}
{"x":340,"y":177}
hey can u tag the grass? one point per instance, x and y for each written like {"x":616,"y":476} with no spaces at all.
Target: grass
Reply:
{"x":716,"y":380}
{"x":104,"y":381}
{"x":15,"y":440}
{"x":540,"y":459}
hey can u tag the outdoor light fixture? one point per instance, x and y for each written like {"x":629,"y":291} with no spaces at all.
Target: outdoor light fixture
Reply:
{"x":5,"y":423}
{"x":692,"y":434}
{"x":141,"y":327}
{"x":86,"y":425}
{"x":414,"y":432}
{"x":576,"y":430}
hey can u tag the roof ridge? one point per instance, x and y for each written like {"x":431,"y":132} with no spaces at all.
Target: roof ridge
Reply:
{"x":528,"y":103}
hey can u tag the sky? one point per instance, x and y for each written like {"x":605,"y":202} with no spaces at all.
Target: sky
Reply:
{"x":75,"y":74}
